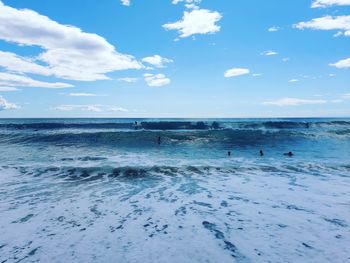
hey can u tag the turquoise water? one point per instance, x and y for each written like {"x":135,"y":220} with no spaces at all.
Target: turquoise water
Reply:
{"x":87,"y":190}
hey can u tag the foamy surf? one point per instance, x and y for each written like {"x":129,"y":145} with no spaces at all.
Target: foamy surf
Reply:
{"x":111,"y":194}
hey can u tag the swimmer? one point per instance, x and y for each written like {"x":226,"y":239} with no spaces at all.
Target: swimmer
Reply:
{"x":229,"y":153}
{"x":261,"y":153}
{"x":289,"y":154}
{"x":159,"y":140}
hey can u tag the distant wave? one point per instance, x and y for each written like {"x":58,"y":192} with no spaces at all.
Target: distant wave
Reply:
{"x":176,"y":125}
{"x":132,"y":172}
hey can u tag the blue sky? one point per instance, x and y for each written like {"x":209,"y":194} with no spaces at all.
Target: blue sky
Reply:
{"x":169,"y":58}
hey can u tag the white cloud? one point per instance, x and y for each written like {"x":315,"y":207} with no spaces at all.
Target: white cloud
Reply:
{"x":190,"y":4}
{"x":117,"y":109}
{"x":285,"y":59}
{"x":128,"y":80}
{"x":235,"y":72}
{"x":175,"y":2}
{"x":273,"y":29}
{"x":338,"y":34}
{"x":269,"y":53}
{"x":13,"y":80}
{"x":69,"y":53}
{"x":156,"y":80}
{"x":256,"y":74}
{"x":293,"y":102}
{"x":5,"y":105}
{"x":93,"y":108}
{"x":197,"y":21}
{"x":328,"y":23}
{"x":126,"y":2}
{"x":327,"y":3}
{"x":346,"y":96}
{"x":13,"y":62}
{"x":8,"y":89}
{"x":157,"y":61}
{"x":82,"y":95}
{"x":345,"y":63}
{"x":293,"y":80}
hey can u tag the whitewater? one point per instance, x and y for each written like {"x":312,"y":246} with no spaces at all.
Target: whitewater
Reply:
{"x":105,"y":190}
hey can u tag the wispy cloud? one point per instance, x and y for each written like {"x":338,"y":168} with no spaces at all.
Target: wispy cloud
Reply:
{"x":4,"y":89}
{"x":273,"y":29}
{"x":327,"y":23}
{"x":346,"y":96}
{"x":269,"y":53}
{"x":126,"y":2}
{"x":235,"y":72}
{"x":328,"y":3}
{"x":83,"y":95}
{"x":5,"y":105}
{"x":345,"y":63}
{"x":13,"y":80}
{"x":128,"y":80}
{"x":157,"y":61}
{"x":293,"y":102}
{"x":293,"y":80}
{"x":93,"y":108}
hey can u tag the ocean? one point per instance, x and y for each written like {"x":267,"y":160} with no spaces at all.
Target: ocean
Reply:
{"x":166,"y":190}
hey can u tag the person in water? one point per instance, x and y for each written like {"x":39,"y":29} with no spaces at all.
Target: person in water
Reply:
{"x":159,"y":140}
{"x":229,"y":153}
{"x":261,"y":153}
{"x":289,"y":154}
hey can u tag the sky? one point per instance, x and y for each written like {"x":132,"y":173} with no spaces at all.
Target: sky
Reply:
{"x":174,"y":58}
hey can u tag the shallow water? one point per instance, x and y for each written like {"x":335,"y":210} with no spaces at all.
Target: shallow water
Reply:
{"x":87,"y":190}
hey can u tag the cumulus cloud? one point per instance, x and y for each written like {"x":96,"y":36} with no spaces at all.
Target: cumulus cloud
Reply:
{"x":5,"y":105}
{"x":13,"y":80}
{"x":156,"y":80}
{"x":196,"y":21}
{"x":8,"y":89}
{"x":328,"y":23}
{"x":327,"y":3}
{"x":157,"y":61}
{"x":345,"y":63}
{"x":293,"y":102}
{"x":269,"y":53}
{"x":235,"y":72}
{"x":69,"y":53}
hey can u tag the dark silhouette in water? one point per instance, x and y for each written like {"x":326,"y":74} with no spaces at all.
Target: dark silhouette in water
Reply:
{"x":135,"y":125}
{"x":289,"y":154}
{"x":229,"y":153}
{"x":215,"y":125}
{"x":159,"y":140}
{"x":261,"y":153}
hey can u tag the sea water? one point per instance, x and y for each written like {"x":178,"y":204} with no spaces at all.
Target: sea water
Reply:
{"x":165,"y":190}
